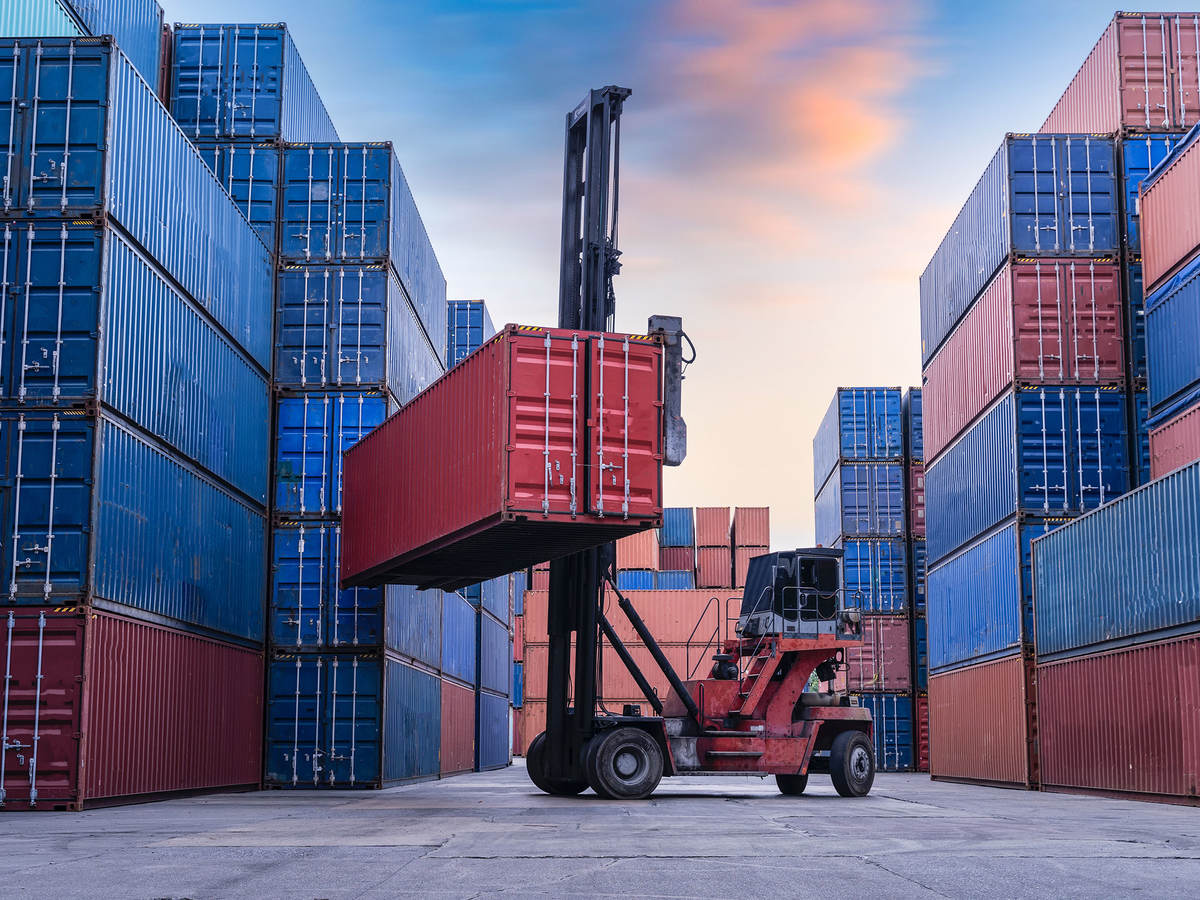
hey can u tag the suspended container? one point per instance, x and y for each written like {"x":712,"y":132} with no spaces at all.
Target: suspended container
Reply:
{"x":860,"y":424}
{"x":422,"y":509}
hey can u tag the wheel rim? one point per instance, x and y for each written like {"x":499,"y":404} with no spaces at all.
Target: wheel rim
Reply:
{"x":860,"y":763}
{"x":629,"y":763}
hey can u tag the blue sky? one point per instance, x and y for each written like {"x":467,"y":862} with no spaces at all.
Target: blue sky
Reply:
{"x":788,"y":169}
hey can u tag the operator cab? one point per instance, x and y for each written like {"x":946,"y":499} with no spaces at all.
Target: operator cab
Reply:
{"x":796,"y":593}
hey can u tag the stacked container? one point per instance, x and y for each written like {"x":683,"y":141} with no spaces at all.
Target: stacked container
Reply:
{"x":134,"y":366}
{"x":862,"y":506}
{"x":751,"y":537}
{"x":714,"y":561}
{"x":914,"y":444}
{"x":468,"y":325}
{"x":1025,"y":421}
{"x":677,"y":553}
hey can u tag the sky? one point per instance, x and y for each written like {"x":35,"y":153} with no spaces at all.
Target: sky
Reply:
{"x":787,"y":170}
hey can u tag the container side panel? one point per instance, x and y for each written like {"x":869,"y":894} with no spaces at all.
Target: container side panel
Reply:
{"x":494,"y":748}
{"x":1173,"y":337}
{"x":459,"y":653}
{"x":1170,"y":226}
{"x":1175,"y":444}
{"x":412,"y":722}
{"x":457,"y":753}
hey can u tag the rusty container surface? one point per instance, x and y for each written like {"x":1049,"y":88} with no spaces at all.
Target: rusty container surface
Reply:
{"x":1176,"y":443}
{"x":1094,"y":736}
{"x":673,"y":617}
{"x":458,"y":729}
{"x":883,"y":661}
{"x":982,"y":723}
{"x":124,"y":709}
{"x":639,"y":551}
{"x":540,"y":444}
{"x":751,"y":526}
{"x":714,"y":567}
{"x":712,"y":526}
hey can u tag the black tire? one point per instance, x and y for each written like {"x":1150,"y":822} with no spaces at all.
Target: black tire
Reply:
{"x":791,"y":785}
{"x":852,"y":764}
{"x":624,"y":764}
{"x":589,"y":761}
{"x":535,"y":763}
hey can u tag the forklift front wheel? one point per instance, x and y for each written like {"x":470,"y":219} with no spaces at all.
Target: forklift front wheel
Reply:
{"x":791,"y":785}
{"x":852,"y":764}
{"x":624,"y":764}
{"x":535,"y":761}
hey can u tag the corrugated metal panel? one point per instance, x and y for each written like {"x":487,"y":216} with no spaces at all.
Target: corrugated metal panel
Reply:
{"x":412,"y":722}
{"x":635,"y":580}
{"x":1147,"y":747}
{"x":979,"y":723}
{"x":751,"y":526}
{"x":494,"y":597}
{"x":617,"y":685}
{"x":50,"y":18}
{"x":92,"y":510}
{"x":493,"y":741}
{"x":118,"y":131}
{"x":495,"y":655}
{"x":307,"y":608}
{"x":143,"y":708}
{"x":860,"y":424}
{"x":245,"y":81}
{"x":1173,"y":336}
{"x":518,"y":638}
{"x":922,"y":705}
{"x":136,"y":24}
{"x":677,"y":559}
{"x":457,"y":752}
{"x":639,"y":551}
{"x":917,"y":573}
{"x":250,"y":175}
{"x":95,"y":319}
{"x":861,"y":500}
{"x":675,"y":580}
{"x":741,"y":562}
{"x":881,"y":662}
{"x":876,"y":575}
{"x":714,"y":567}
{"x":468,"y":325}
{"x":1170,"y":225}
{"x":678,"y":527}
{"x":518,"y":682}
{"x":1041,"y":195}
{"x":1139,"y":155}
{"x":712,"y":526}
{"x":458,"y":638}
{"x":312,"y":432}
{"x":673,"y":617}
{"x":495,"y":509}
{"x":915,"y":423}
{"x":520,"y":584}
{"x":351,"y":326}
{"x":981,"y":599}
{"x":413,"y":623}
{"x":1125,"y":571}
{"x":891,"y":719}
{"x":1046,"y":451}
{"x":1176,"y":443}
{"x":1039,"y":321}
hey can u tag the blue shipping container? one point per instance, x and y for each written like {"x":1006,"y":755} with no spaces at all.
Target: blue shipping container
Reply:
{"x":1129,"y":572}
{"x":860,"y":424}
{"x":1139,"y":156}
{"x":891,"y":715}
{"x":48,"y":18}
{"x":981,"y":599}
{"x":250,"y":175}
{"x":861,"y":500}
{"x":93,"y":318}
{"x":918,"y":555}
{"x":117,"y":132}
{"x":519,"y":580}
{"x":413,"y":623}
{"x":1173,"y":337}
{"x":518,"y":685}
{"x":1041,"y":195}
{"x":468,"y":325}
{"x":920,"y":630}
{"x":635,"y":580}
{"x":308,"y":610}
{"x":412,"y":720}
{"x":1135,"y":317}
{"x":92,"y":511}
{"x":351,"y":326}
{"x":459,"y":654}
{"x":876,"y":575}
{"x":494,"y":655}
{"x":913,"y":421}
{"x":350,"y":203}
{"x":136,"y":24}
{"x":244,"y":81}
{"x":675,"y":580}
{"x":493,"y":596}
{"x":312,"y":432}
{"x":493,"y":738}
{"x":1139,"y":409}
{"x":678,"y":527}
{"x":1046,"y":451}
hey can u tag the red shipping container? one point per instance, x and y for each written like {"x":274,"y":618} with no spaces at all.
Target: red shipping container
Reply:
{"x":741,"y":562}
{"x":124,"y":709}
{"x":518,"y":638}
{"x":458,"y":729}
{"x":751,"y":526}
{"x":541,"y":443}
{"x":1175,"y":444}
{"x":981,"y":723}
{"x":541,"y":579}
{"x":883,"y":661}
{"x":677,"y":559}
{"x":639,"y":551}
{"x":1039,"y":321}
{"x":714,"y":567}
{"x":1170,"y":217}
{"x":1141,"y":75}
{"x":1094,"y":736}
{"x":533,"y":721}
{"x":916,"y":500}
{"x":518,"y":741}
{"x":922,"y":733}
{"x":673,"y":617}
{"x":712,"y":526}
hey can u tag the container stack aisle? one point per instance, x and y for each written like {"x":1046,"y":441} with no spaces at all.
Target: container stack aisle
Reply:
{"x":919,"y":630}
{"x":861,"y":507}
{"x":677,"y":550}
{"x":132,"y":634}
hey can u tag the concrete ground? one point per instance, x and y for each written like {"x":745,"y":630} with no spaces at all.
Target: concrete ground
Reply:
{"x":493,"y":834}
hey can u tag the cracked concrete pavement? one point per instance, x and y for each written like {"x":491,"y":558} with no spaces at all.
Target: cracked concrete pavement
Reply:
{"x":493,"y":834}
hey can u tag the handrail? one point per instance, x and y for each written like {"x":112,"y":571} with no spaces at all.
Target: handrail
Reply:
{"x":687,"y":659}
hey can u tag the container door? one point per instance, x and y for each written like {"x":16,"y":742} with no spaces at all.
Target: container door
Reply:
{"x":351,"y":725}
{"x":311,"y":178}
{"x":1185,"y":47}
{"x":295,"y":704}
{"x":1144,"y":49}
{"x":302,"y":454}
{"x":1101,"y":445}
{"x":355,"y":415}
{"x":254,"y":81}
{"x":1088,"y":194}
{"x":365,"y":193}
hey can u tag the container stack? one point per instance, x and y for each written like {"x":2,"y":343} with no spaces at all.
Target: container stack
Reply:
{"x":862,"y":507}
{"x":714,"y":547}
{"x":468,"y":325}
{"x":677,"y":550}
{"x":751,"y":537}
{"x":133,"y":385}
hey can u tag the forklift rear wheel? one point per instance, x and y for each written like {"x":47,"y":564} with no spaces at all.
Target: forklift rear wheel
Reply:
{"x":624,"y":764}
{"x":535,"y":762}
{"x":852,"y":764}
{"x":791,"y":785}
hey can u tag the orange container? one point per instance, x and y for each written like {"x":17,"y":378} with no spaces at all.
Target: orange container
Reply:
{"x":714,"y":567}
{"x":712,"y":526}
{"x":458,"y":729}
{"x":1175,"y":444}
{"x":673,"y":617}
{"x":618,"y":684}
{"x":518,"y":638}
{"x":638,"y":551}
{"x":741,"y":562}
{"x":751,"y":526}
